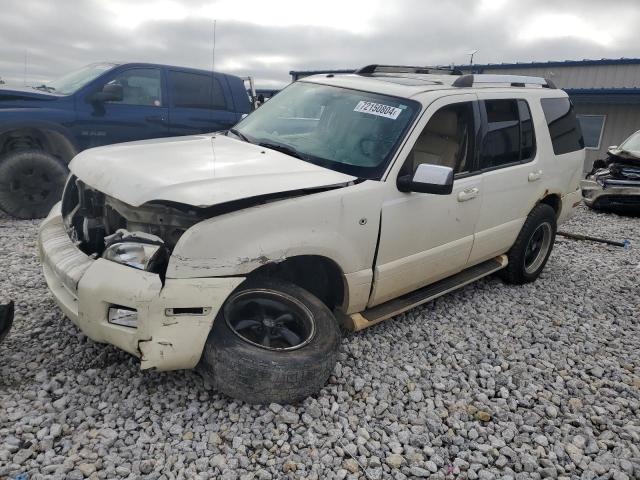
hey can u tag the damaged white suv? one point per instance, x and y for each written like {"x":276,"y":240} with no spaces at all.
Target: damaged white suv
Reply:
{"x":341,"y":202}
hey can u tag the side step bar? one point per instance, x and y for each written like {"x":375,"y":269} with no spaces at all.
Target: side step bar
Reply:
{"x":386,"y":310}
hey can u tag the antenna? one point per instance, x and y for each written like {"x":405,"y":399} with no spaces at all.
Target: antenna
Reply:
{"x":213,"y":73}
{"x":471,"y":54}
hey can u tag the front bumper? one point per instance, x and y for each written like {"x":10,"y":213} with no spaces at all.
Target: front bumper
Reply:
{"x":621,"y":194}
{"x":85,"y":289}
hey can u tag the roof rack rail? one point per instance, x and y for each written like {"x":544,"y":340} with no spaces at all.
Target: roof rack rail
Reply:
{"x":512,"y":80}
{"x":375,"y":68}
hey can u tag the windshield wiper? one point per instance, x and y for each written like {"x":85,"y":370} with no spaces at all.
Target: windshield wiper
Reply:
{"x":286,"y":149}
{"x":44,"y":87}
{"x":241,"y":136}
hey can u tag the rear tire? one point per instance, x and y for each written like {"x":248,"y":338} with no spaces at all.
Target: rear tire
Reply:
{"x":31,"y":182}
{"x":239,"y":363}
{"x":531,"y":250}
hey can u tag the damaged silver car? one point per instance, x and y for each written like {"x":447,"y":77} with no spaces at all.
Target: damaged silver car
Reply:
{"x":614,"y":183}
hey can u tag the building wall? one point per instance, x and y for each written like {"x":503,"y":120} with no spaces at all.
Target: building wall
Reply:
{"x":621,"y":121}
{"x":588,"y":76}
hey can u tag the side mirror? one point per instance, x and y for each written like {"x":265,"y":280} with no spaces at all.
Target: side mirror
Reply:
{"x":111,"y":92}
{"x":613,"y":147}
{"x":427,"y":178}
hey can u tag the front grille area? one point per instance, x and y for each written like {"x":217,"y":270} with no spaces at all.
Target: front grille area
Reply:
{"x":89,"y":216}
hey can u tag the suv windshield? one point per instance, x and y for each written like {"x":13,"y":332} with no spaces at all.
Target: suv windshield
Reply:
{"x":73,"y":81}
{"x":350,"y":131}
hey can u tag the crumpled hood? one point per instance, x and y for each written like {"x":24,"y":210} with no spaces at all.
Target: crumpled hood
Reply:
{"x":201,"y":170}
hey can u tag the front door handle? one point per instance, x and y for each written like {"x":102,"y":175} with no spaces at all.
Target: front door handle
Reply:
{"x":468,"y":194}
{"x":533,"y":176}
{"x":161,"y":119}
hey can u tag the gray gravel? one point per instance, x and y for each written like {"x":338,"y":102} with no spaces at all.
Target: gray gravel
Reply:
{"x":493,"y":381}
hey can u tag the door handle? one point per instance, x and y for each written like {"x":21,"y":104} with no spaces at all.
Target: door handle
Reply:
{"x":468,"y":194}
{"x":533,"y":176}
{"x":156,"y":119}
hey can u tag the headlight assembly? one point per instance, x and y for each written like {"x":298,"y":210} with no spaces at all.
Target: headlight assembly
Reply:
{"x":138,"y":250}
{"x":136,"y":255}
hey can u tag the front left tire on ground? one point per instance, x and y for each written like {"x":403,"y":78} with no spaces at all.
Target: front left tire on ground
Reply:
{"x":31,"y":182}
{"x":272,"y":341}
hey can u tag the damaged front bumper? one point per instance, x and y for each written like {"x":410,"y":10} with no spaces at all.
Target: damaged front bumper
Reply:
{"x":608,"y":193}
{"x":173,"y":319}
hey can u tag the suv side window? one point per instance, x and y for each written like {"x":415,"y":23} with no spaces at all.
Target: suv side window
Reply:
{"x":566,"y":135}
{"x":193,"y":90}
{"x":448,"y":139}
{"x":140,"y":86}
{"x":509,"y":137}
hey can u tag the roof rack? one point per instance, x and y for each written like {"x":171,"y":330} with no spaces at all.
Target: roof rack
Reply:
{"x":375,"y":68}
{"x":512,"y":80}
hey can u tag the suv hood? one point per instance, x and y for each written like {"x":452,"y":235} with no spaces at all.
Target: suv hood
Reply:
{"x":201,"y":171}
{"x":25,"y":93}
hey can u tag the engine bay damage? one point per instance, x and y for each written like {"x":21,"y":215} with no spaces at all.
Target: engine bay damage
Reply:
{"x":613,"y":182}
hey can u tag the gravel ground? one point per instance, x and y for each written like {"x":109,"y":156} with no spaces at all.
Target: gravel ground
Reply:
{"x":493,"y":381}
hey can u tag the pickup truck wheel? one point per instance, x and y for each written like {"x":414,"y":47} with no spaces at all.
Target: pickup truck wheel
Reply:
{"x":31,"y":182}
{"x":271,"y":342}
{"x":532,"y":248}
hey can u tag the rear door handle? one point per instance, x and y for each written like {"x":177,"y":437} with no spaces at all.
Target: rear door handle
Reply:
{"x":468,"y":194}
{"x":533,"y":176}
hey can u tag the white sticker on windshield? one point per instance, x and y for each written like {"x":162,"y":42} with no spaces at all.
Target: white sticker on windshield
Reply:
{"x":377,"y":109}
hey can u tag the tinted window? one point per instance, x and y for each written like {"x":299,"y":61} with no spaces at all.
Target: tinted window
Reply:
{"x":527,"y":133}
{"x":193,"y":90}
{"x":140,"y":86}
{"x":501,"y":142}
{"x":564,"y":129}
{"x":591,"y":126}
{"x":447,"y":139}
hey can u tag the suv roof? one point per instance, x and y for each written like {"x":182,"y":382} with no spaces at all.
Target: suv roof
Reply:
{"x":407,"y":81}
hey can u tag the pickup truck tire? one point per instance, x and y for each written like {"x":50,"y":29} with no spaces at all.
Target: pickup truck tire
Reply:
{"x":31,"y":182}
{"x":531,"y":250}
{"x":241,"y":368}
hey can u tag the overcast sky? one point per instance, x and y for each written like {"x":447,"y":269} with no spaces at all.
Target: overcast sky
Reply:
{"x":269,"y":38}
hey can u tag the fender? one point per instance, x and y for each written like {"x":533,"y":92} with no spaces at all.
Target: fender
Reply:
{"x":54,"y":121}
{"x":341,"y":225}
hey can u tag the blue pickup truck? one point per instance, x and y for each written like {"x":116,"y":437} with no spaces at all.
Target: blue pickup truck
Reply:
{"x":43,"y":127}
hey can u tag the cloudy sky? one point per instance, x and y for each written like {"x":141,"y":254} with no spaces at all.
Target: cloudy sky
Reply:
{"x":268,"y":38}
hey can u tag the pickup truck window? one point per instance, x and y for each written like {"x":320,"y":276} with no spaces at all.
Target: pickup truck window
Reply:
{"x":192,"y":90}
{"x":140,"y":86}
{"x":73,"y":81}
{"x":347,"y":130}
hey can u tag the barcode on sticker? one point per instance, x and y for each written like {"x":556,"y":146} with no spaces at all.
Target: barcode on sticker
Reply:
{"x":377,"y":109}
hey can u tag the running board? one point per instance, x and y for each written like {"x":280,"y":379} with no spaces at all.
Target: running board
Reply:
{"x":386,"y":310}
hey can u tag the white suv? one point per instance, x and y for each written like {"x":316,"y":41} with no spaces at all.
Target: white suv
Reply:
{"x":341,"y":202}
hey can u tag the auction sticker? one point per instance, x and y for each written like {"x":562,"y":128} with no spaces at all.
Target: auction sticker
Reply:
{"x":377,"y":109}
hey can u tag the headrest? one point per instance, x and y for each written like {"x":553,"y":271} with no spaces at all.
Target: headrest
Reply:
{"x":444,"y":122}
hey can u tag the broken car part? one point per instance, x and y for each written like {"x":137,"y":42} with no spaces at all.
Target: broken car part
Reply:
{"x":6,"y":319}
{"x":576,"y":236}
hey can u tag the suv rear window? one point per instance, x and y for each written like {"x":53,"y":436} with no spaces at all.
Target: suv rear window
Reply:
{"x":566,"y":135}
{"x":192,"y":90}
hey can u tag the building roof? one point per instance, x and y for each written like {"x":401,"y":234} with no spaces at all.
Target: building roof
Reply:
{"x":554,"y":63}
{"x":606,"y":95}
